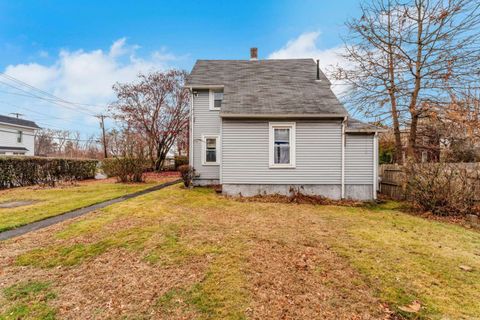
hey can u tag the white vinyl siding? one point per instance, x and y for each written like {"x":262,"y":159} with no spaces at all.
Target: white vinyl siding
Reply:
{"x":9,"y":137}
{"x":206,"y":122}
{"x":245,"y":153}
{"x":359,"y":159}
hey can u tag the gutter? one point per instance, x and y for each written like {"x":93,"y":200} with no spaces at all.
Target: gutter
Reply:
{"x":283,"y":115}
{"x":344,"y":122}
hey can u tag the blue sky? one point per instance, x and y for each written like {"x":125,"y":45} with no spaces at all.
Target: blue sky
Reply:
{"x":78,"y":49}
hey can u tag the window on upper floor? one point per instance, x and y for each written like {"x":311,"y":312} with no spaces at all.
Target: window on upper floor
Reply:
{"x":19,"y":136}
{"x":282,"y":145}
{"x":216,"y":98}
{"x":210,"y":150}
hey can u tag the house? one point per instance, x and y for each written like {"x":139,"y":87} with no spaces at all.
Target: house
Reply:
{"x":267,"y":126}
{"x":17,"y":136}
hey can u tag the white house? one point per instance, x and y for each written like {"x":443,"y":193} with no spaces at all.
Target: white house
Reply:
{"x":17,"y":136}
{"x":267,"y":126}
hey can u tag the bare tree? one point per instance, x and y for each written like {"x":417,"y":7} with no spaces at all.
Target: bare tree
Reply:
{"x":156,"y":107}
{"x":405,"y":54}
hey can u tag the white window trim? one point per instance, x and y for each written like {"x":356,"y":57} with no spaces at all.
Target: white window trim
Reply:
{"x":211,"y":103}
{"x":271,"y":141}
{"x":204,"y":149}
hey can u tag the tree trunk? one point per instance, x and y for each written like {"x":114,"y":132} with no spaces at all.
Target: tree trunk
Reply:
{"x":412,"y":139}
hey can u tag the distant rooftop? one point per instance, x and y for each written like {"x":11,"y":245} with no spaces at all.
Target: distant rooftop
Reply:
{"x":18,"y":122}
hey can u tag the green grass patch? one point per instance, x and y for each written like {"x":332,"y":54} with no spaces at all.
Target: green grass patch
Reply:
{"x":54,"y":201}
{"x":408,"y":258}
{"x":221,"y":295}
{"x":28,"y":300}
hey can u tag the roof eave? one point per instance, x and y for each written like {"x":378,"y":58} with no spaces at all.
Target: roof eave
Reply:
{"x":21,"y":126}
{"x":370,"y":130}
{"x":283,"y":115}
{"x":204,"y":86}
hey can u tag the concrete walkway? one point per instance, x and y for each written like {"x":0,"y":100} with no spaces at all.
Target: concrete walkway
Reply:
{"x":76,"y":213}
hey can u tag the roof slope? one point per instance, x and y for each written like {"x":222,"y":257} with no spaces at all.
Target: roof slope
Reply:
{"x":18,"y":122}
{"x":354,"y":125}
{"x":268,"y":87}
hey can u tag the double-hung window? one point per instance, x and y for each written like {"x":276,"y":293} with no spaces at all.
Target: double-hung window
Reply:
{"x":19,"y":136}
{"x":210,"y":150}
{"x":216,"y":98}
{"x":282,"y":145}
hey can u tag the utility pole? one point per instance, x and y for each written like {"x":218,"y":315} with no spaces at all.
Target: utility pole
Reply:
{"x":102,"y":125}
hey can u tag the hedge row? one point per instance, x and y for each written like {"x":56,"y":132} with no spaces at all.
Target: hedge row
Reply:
{"x":25,"y":171}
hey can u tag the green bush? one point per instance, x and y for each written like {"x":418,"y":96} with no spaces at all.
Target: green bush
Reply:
{"x":126,"y":169}
{"x":180,"y":161}
{"x":25,"y":171}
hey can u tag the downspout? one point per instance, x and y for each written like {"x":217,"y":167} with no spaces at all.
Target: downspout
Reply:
{"x":221,"y":151}
{"x":343,"y":157}
{"x":375,"y":166}
{"x":190,"y":144}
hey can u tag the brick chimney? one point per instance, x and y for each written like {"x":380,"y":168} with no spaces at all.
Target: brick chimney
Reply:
{"x":253,"y":54}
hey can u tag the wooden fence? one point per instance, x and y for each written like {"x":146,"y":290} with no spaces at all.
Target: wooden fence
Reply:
{"x":393,"y":178}
{"x":392,"y":181}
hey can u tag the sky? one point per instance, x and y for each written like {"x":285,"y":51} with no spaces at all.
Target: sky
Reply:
{"x":76,"y":50}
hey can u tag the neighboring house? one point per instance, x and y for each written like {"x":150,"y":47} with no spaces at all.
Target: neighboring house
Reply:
{"x":17,"y":136}
{"x":267,"y":126}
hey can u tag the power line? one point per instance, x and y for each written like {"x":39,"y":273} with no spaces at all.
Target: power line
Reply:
{"x":54,"y":137}
{"x":48,"y":100}
{"x":43,"y":114}
{"x":43,"y":91}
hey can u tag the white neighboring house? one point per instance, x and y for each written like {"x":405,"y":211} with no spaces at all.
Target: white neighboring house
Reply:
{"x":17,"y":136}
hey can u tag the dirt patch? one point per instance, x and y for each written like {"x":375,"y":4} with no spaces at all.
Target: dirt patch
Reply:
{"x":16,"y":204}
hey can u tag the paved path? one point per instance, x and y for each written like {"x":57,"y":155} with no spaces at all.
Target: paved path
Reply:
{"x":76,"y":213}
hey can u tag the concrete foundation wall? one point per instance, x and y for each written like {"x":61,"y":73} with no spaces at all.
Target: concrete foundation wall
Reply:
{"x":330,"y":191}
{"x":205,"y":182}
{"x":359,"y":191}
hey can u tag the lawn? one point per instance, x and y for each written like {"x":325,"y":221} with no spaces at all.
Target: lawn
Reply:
{"x":47,"y":202}
{"x":192,"y":254}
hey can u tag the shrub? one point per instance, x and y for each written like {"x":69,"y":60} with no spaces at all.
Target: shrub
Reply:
{"x":24,"y":171}
{"x":444,"y":189}
{"x":187,"y":172}
{"x":126,"y":169}
{"x":180,"y":161}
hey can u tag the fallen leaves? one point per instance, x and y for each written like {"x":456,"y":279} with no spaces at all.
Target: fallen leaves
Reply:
{"x":465,"y":268}
{"x":413,"y":307}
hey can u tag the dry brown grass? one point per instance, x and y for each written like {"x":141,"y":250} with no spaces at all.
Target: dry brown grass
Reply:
{"x":192,"y":254}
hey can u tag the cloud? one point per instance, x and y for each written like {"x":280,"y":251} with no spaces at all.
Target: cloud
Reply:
{"x":88,"y":76}
{"x":306,"y":46}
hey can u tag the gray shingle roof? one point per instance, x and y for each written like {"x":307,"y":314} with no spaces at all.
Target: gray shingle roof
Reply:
{"x":18,"y":122}
{"x":354,"y":125}
{"x":268,"y":87}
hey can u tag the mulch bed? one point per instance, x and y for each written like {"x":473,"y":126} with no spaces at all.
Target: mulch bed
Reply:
{"x":299,"y":198}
